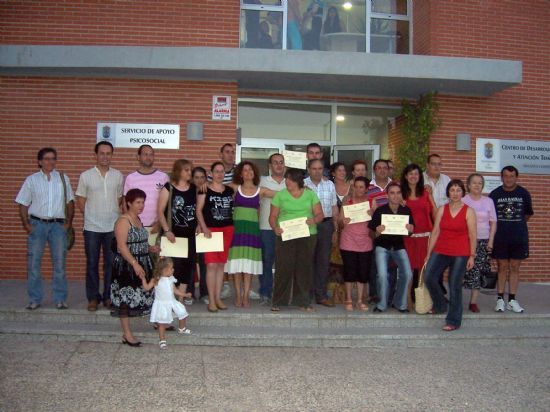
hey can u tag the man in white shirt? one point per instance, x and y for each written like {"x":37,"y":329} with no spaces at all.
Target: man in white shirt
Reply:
{"x":326,"y":230}
{"x":42,"y":201}
{"x":436,"y":181}
{"x":99,"y":196}
{"x":151,"y":181}
{"x":275,"y":181}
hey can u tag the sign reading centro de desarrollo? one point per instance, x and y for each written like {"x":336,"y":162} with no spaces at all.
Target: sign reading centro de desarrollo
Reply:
{"x":159,"y":136}
{"x":528,"y":156}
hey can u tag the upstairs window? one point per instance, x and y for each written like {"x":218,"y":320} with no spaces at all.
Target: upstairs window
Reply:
{"x":377,"y":26}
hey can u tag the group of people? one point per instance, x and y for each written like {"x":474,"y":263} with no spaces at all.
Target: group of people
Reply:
{"x":305,"y":25}
{"x":449,"y":225}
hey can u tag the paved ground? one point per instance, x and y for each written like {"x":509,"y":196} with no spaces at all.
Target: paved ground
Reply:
{"x":69,"y":376}
{"x":13,"y":294}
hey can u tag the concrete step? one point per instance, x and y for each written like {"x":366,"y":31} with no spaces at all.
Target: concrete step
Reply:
{"x":351,"y":337}
{"x":335,"y":318}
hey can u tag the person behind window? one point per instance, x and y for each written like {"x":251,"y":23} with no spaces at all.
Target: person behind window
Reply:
{"x":265,"y":41}
{"x":332,"y":22}
{"x":294,"y":37}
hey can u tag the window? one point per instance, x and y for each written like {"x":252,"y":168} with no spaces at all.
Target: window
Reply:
{"x":262,"y":24}
{"x":287,"y":121}
{"x":379,"y":26}
{"x":342,"y":130}
{"x":389,"y":26}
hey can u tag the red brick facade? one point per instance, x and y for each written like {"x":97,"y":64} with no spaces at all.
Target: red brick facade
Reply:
{"x":62,"y":112}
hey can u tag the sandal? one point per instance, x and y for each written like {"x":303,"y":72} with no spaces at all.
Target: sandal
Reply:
{"x":212,"y":309}
{"x":162,"y":344}
{"x":221,"y":306}
{"x":184,"y":331}
{"x":275,"y":309}
{"x":348,"y":305}
{"x":450,"y":328}
{"x":362,"y":307}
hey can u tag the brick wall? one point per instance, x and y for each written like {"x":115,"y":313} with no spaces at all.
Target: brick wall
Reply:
{"x":121,"y":22}
{"x":63,"y":113}
{"x":500,"y":30}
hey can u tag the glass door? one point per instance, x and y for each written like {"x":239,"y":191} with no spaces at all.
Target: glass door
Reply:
{"x":259,"y":154}
{"x":347,"y":154}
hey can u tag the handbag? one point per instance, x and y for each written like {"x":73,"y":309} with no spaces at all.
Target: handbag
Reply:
{"x":423,"y":300}
{"x":70,"y":231}
{"x":489,"y":278}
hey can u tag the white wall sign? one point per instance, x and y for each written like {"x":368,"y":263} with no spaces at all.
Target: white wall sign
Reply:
{"x":491,"y":183}
{"x":159,"y":136}
{"x":528,"y":156}
{"x":221,"y":107}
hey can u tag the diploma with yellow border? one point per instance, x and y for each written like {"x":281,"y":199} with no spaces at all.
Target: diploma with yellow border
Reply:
{"x":294,"y":228}
{"x":357,"y":212}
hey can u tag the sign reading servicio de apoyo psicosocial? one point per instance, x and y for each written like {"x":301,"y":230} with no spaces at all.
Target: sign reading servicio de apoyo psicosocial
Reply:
{"x":158,"y":136}
{"x":528,"y":156}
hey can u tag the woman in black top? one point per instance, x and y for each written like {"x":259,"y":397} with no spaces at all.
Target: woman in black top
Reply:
{"x":183,"y":202}
{"x":215,"y":214}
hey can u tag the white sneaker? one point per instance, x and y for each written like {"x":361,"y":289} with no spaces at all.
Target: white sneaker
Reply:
{"x":254,"y":295}
{"x":226,"y":290}
{"x":188,"y":301}
{"x":500,"y":307}
{"x":205,"y":300}
{"x":514,"y":306}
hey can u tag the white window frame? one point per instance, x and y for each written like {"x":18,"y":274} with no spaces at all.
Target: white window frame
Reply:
{"x":389,"y":16}
{"x":268,"y":7}
{"x":369,"y":14}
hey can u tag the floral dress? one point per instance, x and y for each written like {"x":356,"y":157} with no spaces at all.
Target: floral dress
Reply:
{"x":128,"y":298}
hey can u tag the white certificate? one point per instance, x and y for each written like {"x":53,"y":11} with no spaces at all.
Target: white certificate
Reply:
{"x":294,"y":228}
{"x":214,"y":244}
{"x":152,"y":239}
{"x":395,"y":224}
{"x":357,"y":212}
{"x":297,"y":160}
{"x":177,"y":249}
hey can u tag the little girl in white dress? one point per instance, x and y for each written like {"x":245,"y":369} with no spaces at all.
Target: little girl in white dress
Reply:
{"x":165,"y":304}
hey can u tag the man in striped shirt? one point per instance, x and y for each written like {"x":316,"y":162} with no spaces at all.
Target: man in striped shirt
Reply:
{"x":42,"y":200}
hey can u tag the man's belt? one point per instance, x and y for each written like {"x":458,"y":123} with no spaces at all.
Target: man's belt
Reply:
{"x":48,"y":220}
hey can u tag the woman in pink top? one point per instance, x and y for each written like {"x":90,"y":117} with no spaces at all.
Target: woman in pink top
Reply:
{"x":452,"y":245}
{"x":356,"y":247}
{"x":486,"y":229}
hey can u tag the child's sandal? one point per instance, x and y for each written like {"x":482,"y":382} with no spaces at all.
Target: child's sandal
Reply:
{"x":162,"y":344}
{"x":348,"y":305}
{"x":184,"y":331}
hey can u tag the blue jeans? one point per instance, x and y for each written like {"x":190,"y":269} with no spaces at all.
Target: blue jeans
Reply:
{"x":93,"y":243}
{"x":54,"y":234}
{"x":404,"y":276}
{"x":268,"y":259}
{"x":434,"y":271}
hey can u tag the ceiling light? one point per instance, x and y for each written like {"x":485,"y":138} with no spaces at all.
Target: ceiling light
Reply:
{"x":347,"y":5}
{"x":340,"y":118}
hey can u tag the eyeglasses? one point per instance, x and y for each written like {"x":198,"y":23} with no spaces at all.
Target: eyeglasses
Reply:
{"x":49,"y":158}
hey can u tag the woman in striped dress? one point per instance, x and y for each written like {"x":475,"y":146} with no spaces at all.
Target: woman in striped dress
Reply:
{"x":245,"y":254}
